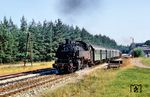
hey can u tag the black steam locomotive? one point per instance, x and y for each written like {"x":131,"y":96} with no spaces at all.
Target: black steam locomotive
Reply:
{"x":72,"y":56}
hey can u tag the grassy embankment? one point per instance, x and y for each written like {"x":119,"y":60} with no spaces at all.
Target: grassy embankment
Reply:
{"x":9,"y":69}
{"x":107,"y":83}
{"x":146,"y":61}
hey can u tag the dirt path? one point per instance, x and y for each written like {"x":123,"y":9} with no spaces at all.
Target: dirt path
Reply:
{"x":137,"y":62}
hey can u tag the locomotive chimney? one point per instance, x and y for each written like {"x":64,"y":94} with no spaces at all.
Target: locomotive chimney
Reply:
{"x":68,"y":41}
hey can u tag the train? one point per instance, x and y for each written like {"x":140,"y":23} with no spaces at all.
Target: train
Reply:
{"x":75,"y":55}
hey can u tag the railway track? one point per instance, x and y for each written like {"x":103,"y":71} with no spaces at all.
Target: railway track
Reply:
{"x":14,"y":83}
{"x":18,"y":79}
{"x":6,"y":79}
{"x":11,"y":89}
{"x":17,"y":86}
{"x":11,"y":76}
{"x":8,"y":76}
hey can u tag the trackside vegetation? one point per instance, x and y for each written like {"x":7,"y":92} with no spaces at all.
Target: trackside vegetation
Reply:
{"x":145,"y":61}
{"x":137,"y":52}
{"x":17,"y":68}
{"x":106,"y":83}
{"x":43,"y":39}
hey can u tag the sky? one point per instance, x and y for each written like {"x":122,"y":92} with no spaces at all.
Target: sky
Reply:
{"x":118,"y":19}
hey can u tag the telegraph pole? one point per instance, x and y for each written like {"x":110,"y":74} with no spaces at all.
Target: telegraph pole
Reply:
{"x":30,"y":45}
{"x":28,"y":48}
{"x":26,"y":53}
{"x":132,"y":46}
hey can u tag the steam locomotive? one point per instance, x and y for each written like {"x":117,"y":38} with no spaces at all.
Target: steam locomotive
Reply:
{"x":76,"y":55}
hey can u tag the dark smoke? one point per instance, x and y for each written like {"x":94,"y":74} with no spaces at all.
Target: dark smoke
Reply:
{"x":77,"y":6}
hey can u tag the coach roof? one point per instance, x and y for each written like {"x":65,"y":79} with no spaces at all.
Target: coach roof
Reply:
{"x":95,"y":47}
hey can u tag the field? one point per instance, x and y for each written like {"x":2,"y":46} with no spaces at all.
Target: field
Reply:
{"x":146,"y":61}
{"x":107,"y":83}
{"x":9,"y":69}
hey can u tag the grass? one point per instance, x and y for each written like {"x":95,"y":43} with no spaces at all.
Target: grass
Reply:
{"x":106,"y":83}
{"x":9,"y":69}
{"x":91,"y":86}
{"x":119,"y":87}
{"x":146,"y":61}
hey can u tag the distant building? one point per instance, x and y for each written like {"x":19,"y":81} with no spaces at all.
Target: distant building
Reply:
{"x":145,"y":48}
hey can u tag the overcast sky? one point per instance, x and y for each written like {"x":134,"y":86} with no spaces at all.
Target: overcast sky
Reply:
{"x":118,"y":19}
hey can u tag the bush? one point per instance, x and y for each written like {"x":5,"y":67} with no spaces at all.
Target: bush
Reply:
{"x":137,"y":52}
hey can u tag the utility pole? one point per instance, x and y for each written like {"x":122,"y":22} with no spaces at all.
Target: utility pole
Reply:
{"x":26,"y":53}
{"x":132,"y":46}
{"x":31,"y":50}
{"x":28,"y":46}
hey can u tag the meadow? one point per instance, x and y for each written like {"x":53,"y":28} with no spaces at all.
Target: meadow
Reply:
{"x":107,"y":83}
{"x":12,"y":68}
{"x":145,"y":61}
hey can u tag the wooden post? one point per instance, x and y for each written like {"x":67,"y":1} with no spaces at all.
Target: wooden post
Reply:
{"x":31,"y":50}
{"x":26,"y":50}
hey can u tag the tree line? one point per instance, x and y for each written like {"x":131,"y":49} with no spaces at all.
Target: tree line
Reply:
{"x":43,"y":37}
{"x":147,"y":42}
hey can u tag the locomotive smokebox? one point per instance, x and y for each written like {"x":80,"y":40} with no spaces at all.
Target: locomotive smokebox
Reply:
{"x":68,"y":41}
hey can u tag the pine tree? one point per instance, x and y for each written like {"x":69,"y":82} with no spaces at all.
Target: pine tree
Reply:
{"x":22,"y":39}
{"x":57,"y":36}
{"x":45,"y":38}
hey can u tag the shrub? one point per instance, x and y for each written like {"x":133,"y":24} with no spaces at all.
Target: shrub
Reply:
{"x":137,"y":52}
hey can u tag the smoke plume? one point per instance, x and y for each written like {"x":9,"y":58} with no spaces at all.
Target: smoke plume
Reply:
{"x":74,"y":7}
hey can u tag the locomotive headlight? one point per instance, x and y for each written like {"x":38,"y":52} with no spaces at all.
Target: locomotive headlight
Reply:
{"x":70,"y":61}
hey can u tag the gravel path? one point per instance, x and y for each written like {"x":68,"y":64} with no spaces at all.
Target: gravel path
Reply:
{"x":137,"y":62}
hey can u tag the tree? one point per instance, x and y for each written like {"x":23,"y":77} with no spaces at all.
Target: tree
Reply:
{"x":47,"y":31}
{"x":22,"y":39}
{"x":23,"y":24}
{"x":147,"y":42}
{"x":45,"y":38}
{"x":13,"y":30}
{"x":7,"y":36}
{"x":77,"y":33}
{"x":57,"y":36}
{"x":137,"y":52}
{"x":85,"y":36}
